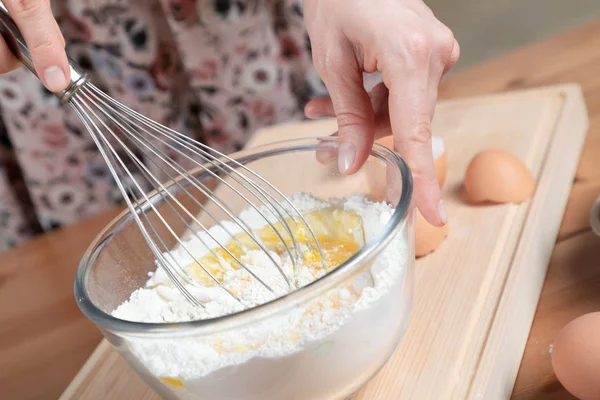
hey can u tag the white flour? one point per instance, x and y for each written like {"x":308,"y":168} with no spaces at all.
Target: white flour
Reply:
{"x":360,"y":317}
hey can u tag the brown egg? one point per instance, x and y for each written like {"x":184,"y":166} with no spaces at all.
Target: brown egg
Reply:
{"x":497,"y":176}
{"x":576,"y":357}
{"x":427,"y":237}
{"x":439,"y":155}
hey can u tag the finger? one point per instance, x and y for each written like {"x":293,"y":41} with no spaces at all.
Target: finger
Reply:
{"x":59,"y":33}
{"x":343,"y":78}
{"x":411,"y":109}
{"x":327,"y":151}
{"x":321,"y":107}
{"x":56,"y":27}
{"x":379,"y":99}
{"x":436,"y":73}
{"x":8,"y":61}
{"x":36,"y":22}
{"x":454,"y":56}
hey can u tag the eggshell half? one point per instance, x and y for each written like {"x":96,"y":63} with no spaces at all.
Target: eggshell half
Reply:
{"x":427,"y":237}
{"x":576,"y":357}
{"x":439,"y":155}
{"x":499,"y":177}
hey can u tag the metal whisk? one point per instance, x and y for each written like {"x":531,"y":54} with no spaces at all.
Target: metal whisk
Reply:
{"x":125,"y":138}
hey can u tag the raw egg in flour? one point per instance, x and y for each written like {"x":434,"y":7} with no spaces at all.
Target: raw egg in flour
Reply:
{"x":497,"y":176}
{"x":576,"y":357}
{"x":439,"y":155}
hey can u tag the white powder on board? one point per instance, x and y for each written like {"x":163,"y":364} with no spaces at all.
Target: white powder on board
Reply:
{"x":301,"y":329}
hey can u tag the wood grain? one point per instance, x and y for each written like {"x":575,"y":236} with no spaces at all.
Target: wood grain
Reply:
{"x":576,"y":219}
{"x":487,"y":371}
{"x":523,"y":284}
{"x":572,"y":56}
{"x":572,"y":286}
{"x":571,"y":289}
{"x":459,"y":286}
{"x":44,"y":337}
{"x":102,"y":363}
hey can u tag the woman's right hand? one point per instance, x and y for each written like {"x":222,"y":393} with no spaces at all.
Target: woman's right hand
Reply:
{"x":413,"y":50}
{"x":44,"y":39}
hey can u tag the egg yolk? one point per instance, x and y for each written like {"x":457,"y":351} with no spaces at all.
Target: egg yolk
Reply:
{"x":339,"y":233}
{"x":174,"y":383}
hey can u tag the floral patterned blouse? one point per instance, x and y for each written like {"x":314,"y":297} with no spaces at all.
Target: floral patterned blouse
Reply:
{"x":216,"y":70}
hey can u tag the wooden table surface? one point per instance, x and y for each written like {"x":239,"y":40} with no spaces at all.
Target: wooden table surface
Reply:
{"x":45,"y":339}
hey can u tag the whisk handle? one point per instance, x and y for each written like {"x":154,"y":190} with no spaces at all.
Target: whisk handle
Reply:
{"x":16,"y":43}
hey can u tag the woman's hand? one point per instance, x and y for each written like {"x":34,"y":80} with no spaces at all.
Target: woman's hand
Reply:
{"x":413,"y":50}
{"x":44,"y":39}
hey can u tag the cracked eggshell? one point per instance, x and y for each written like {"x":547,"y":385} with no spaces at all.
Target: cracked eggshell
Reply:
{"x":498,"y":176}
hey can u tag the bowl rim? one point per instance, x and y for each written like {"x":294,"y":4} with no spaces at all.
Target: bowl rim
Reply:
{"x":397,"y":222}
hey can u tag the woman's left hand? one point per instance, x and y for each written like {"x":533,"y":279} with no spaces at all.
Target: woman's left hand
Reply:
{"x":413,"y":50}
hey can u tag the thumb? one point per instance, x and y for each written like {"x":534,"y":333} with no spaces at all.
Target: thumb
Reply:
{"x":40,"y":31}
{"x":352,"y":107}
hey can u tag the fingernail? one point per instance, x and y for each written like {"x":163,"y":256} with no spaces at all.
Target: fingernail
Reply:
{"x":55,"y":79}
{"x":442,"y":212}
{"x":346,"y":155}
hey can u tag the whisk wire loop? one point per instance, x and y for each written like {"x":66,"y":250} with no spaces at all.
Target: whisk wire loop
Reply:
{"x":140,"y":137}
{"x":94,"y":132}
{"x":126,"y":140}
{"x":161,"y":189}
{"x":204,"y":151}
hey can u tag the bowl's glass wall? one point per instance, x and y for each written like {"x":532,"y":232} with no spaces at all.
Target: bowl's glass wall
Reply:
{"x":325,"y":369}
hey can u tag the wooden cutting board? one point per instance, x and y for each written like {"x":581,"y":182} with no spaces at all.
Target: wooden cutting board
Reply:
{"x":475,"y":297}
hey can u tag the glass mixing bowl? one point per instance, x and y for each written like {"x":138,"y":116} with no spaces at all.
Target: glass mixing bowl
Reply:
{"x":174,"y":358}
